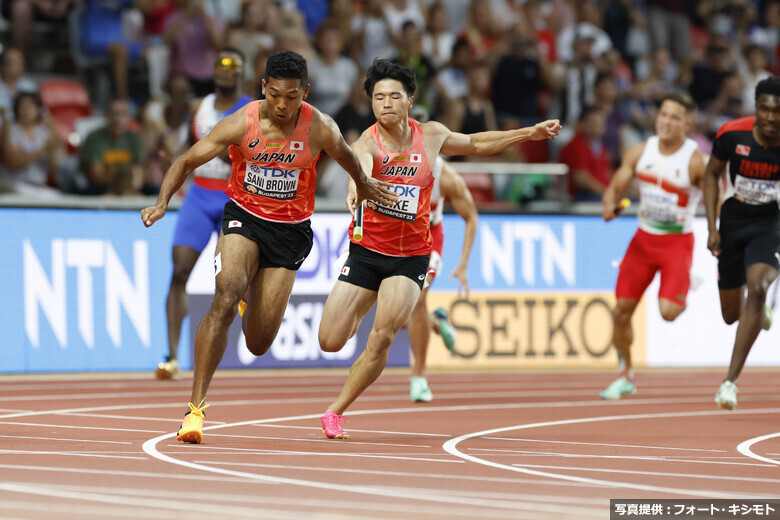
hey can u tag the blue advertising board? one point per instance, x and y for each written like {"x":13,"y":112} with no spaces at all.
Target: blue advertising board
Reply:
{"x":85,"y":290}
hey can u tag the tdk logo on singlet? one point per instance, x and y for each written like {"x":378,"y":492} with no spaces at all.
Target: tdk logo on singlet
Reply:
{"x":406,"y":191}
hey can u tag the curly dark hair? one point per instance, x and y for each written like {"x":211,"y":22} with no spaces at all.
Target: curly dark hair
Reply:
{"x":287,"y":65}
{"x":770,"y":85}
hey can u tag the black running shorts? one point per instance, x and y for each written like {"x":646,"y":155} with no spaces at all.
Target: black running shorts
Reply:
{"x":280,"y":244}
{"x":747,"y":236}
{"x":367,"y":269}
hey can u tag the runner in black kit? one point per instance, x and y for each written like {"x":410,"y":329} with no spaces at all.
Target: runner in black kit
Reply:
{"x":748,"y":242}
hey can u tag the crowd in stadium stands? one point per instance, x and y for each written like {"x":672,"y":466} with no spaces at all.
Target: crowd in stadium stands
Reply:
{"x":598,"y":65}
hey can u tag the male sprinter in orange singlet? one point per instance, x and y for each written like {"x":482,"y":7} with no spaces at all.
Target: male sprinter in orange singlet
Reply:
{"x":266,"y":234}
{"x":389,"y":265}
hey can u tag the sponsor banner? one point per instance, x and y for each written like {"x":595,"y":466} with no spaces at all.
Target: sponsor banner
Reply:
{"x":83,"y":290}
{"x":296,"y":344}
{"x":524,"y":330}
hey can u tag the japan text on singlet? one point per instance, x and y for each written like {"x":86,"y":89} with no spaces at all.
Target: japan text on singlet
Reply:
{"x":437,"y":201}
{"x":403,"y":229}
{"x":274,"y":179}
{"x":214,"y":174}
{"x":754,"y":170}
{"x":667,"y":199}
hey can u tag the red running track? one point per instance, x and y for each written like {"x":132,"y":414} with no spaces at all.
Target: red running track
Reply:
{"x":489,"y":446}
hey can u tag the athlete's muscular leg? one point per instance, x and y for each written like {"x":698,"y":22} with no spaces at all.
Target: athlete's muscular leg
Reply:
{"x":669,"y":310}
{"x":269,"y":293}
{"x":345,"y":308}
{"x":237,"y":257}
{"x":177,"y":304}
{"x":731,"y":302}
{"x":759,"y":277}
{"x":396,"y":298}
{"x":420,"y":326}
{"x":623,"y":331}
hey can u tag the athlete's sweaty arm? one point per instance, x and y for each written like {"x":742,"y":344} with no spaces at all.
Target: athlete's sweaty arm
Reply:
{"x":229,"y":130}
{"x":455,"y":190}
{"x":489,"y":143}
{"x":620,"y":180}
{"x":711,"y":189}
{"x":326,"y":134}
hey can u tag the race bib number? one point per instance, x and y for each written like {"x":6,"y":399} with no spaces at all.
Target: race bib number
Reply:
{"x":756,"y":191}
{"x":275,"y":183}
{"x":406,"y":207}
{"x":658,"y":206}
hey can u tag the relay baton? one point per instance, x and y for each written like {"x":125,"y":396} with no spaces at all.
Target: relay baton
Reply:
{"x":357,"y":232}
{"x":624,"y":203}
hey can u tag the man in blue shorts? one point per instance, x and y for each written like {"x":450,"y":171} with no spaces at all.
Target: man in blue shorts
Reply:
{"x":747,"y":243}
{"x":200,"y":214}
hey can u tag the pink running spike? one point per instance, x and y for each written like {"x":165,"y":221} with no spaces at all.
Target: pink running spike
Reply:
{"x":331,"y":426}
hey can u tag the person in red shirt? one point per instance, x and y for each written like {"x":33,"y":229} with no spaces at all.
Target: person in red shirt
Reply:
{"x":587,"y":157}
{"x":266,"y":234}
{"x":389,"y":265}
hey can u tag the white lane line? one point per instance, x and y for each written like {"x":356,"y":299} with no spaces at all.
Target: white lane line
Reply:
{"x":451,"y":446}
{"x":80,"y":427}
{"x":121,"y":417}
{"x":727,"y":478}
{"x":243,"y":451}
{"x":219,"y":510}
{"x":316,"y":503}
{"x":415,"y":474}
{"x":745,"y":448}
{"x":71,"y":454}
{"x":427,"y":409}
{"x":590,"y":456}
{"x":61,"y":439}
{"x":121,"y":473}
{"x":328,"y":441}
{"x":602,"y":444}
{"x":82,"y":512}
{"x":415,"y":434}
{"x":150,"y":447}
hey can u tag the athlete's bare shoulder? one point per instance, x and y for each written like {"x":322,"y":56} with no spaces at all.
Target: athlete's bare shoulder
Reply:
{"x":366,"y":144}
{"x":434,"y":129}
{"x":323,"y":131}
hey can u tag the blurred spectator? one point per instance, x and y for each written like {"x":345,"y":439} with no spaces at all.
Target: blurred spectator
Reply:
{"x":399,"y":12}
{"x":474,"y":113}
{"x":616,"y":113}
{"x":372,"y":35}
{"x":159,"y":142}
{"x":259,"y":20}
{"x":341,"y":14}
{"x":587,"y":158}
{"x":254,"y":87}
{"x":194,"y":38}
{"x":589,"y":23}
{"x":752,"y":69}
{"x":451,"y":83}
{"x":228,"y":11}
{"x":12,"y":78}
{"x":111,"y":157}
{"x":536,"y":14}
{"x":103,"y":34}
{"x":520,"y":77}
{"x":577,"y":91}
{"x":481,"y":31}
{"x":32,"y":147}
{"x":727,"y":105}
{"x":157,"y":53}
{"x":669,"y":27}
{"x":177,"y":111}
{"x":314,"y":12}
{"x":704,"y":79}
{"x":410,"y":55}
{"x":331,"y":74}
{"x":438,"y":40}
{"x":22,"y":13}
